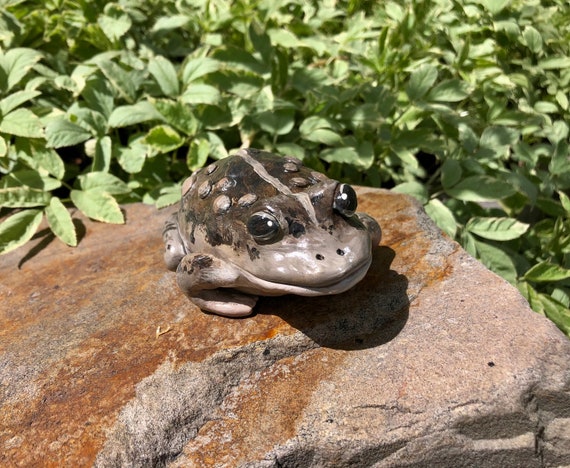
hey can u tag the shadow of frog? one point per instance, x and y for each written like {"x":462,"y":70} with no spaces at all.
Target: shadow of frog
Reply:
{"x":370,"y":314}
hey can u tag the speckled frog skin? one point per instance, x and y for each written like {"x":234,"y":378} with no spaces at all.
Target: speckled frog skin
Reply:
{"x":260,"y":224}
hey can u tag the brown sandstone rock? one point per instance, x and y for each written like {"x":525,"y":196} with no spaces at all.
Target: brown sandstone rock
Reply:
{"x":431,"y":361}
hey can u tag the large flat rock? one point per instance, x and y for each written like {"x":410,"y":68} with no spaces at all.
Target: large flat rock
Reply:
{"x":432,"y":360}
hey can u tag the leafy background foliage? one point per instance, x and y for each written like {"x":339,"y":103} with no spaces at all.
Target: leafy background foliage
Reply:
{"x":462,"y":104}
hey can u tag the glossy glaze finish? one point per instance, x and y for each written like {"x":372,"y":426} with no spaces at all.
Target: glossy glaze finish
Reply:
{"x":260,"y":224}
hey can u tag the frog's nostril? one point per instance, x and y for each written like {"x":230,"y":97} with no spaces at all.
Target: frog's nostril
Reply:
{"x":319,"y":257}
{"x":340,"y":252}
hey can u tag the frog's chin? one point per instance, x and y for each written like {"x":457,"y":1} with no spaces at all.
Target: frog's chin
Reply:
{"x":330,"y":286}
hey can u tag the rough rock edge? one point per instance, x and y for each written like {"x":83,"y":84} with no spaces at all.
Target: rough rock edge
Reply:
{"x":146,"y":435}
{"x":444,"y":447}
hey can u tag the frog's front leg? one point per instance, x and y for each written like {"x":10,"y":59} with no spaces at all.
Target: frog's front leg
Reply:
{"x":205,"y":280}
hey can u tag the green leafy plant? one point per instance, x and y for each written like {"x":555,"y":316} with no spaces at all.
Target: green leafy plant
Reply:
{"x":461,"y":104}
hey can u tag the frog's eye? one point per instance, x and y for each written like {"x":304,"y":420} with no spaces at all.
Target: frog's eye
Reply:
{"x":345,"y":200}
{"x":264,"y":227}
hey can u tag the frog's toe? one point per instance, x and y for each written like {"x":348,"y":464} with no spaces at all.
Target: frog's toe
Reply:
{"x":225,"y":302}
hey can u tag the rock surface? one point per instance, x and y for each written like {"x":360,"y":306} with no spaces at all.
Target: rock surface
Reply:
{"x":432,"y":360}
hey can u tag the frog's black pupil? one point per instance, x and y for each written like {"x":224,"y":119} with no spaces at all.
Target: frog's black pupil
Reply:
{"x":345,"y":201}
{"x":263,"y":226}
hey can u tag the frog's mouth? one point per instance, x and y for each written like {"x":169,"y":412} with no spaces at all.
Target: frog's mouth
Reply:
{"x":331,"y":285}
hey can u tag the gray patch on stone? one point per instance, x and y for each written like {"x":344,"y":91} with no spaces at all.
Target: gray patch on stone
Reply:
{"x":173,"y":404}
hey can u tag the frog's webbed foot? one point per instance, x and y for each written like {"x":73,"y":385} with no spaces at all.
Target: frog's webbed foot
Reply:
{"x":173,"y":246}
{"x":207,"y":281}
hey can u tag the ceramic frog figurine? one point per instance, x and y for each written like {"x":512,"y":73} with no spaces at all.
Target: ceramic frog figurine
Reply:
{"x":256,"y":223}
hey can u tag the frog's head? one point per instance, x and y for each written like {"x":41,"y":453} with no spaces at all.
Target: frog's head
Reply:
{"x":309,"y":241}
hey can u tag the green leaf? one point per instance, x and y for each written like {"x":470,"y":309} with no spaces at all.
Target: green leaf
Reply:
{"x":452,"y":90}
{"x":495,"y":6}
{"x":319,"y":130}
{"x":415,"y":189}
{"x":277,"y":122}
{"x":197,"y":154}
{"x":241,"y":59}
{"x":165,"y":75}
{"x":98,"y":205}
{"x":38,"y":157}
{"x":565,"y":201}
{"x":124,"y":82}
{"x":163,"y":138}
{"x":451,"y":173}
{"x":547,"y":306}
{"x":562,"y":100}
{"x":480,"y":188}
{"x":442,"y":216}
{"x":558,"y":132}
{"x":495,"y":137}
{"x":91,"y":120}
{"x":497,"y":260}
{"x":22,"y":122}
{"x":560,"y":162}
{"x":18,"y":229}
{"x":197,"y":67}
{"x":60,"y":222}
{"x":498,"y":229}
{"x":98,"y":95}
{"x":550,"y":207}
{"x":217,"y":147}
{"x":215,"y":117}
{"x":115,"y":22}
{"x":103,"y":181}
{"x":200,"y":94}
{"x":178,"y":115}
{"x":555,"y":311}
{"x":142,"y":111}
{"x":412,"y":138}
{"x":13,"y":100}
{"x":554,"y":63}
{"x":16,"y":63}
{"x":103,"y":154}
{"x":344,"y":154}
{"x":421,"y":80}
{"x":60,"y":132}
{"x":23,"y":197}
{"x":546,"y":272}
{"x":168,"y":196}
{"x":166,"y":23}
{"x":284,"y":38}
{"x":532,"y":39}
{"x":394,"y":11}
{"x":132,"y":158}
{"x":32,"y":179}
{"x":545,"y":107}
{"x":260,"y":41}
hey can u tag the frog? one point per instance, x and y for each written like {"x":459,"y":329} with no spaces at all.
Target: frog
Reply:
{"x":260,"y":224}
